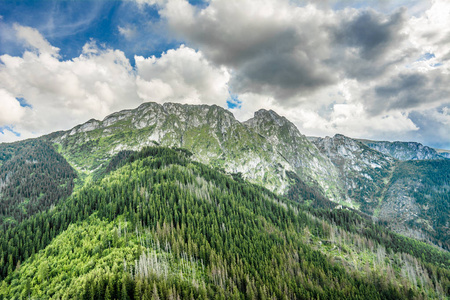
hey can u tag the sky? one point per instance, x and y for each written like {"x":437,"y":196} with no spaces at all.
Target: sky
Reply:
{"x":366,"y":69}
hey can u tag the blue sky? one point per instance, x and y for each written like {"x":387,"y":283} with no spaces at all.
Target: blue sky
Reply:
{"x":68,"y":25}
{"x":366,"y":69}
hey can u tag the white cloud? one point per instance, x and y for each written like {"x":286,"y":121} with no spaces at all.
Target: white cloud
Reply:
{"x":181,"y":75}
{"x":31,"y":37}
{"x":11,"y":112}
{"x":430,"y":32}
{"x":143,"y":3}
{"x":443,"y":116}
{"x":352,"y":119}
{"x":273,"y":47}
{"x":128,"y":32}
{"x":64,"y":93}
{"x":8,"y":136}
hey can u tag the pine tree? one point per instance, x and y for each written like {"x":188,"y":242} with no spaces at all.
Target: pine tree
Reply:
{"x":155,"y":295}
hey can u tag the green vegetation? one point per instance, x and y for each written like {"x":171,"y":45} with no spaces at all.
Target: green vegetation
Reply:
{"x":94,"y":254}
{"x":431,"y":190}
{"x":33,"y":177}
{"x":156,"y":225}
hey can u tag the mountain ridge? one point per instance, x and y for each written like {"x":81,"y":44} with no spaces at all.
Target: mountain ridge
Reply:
{"x":404,"y":150}
{"x":267,"y":150}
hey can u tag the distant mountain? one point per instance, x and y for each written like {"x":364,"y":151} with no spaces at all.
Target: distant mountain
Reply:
{"x":412,"y":197}
{"x":443,"y":153}
{"x":404,"y":150}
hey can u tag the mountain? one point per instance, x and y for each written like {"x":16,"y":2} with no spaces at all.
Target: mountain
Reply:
{"x":363,"y":172}
{"x":261,"y":149}
{"x":411,"y":197}
{"x":158,"y":225}
{"x":33,"y":177}
{"x":417,"y":200}
{"x":443,"y":153}
{"x":301,"y":155}
{"x":404,"y":150}
{"x":183,"y":201}
{"x":267,"y":150}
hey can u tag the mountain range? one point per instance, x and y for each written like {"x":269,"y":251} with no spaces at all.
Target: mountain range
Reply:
{"x":358,"y":174}
{"x":400,"y":186}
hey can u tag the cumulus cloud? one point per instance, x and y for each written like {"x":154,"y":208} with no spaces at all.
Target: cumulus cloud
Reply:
{"x":372,"y":34}
{"x":273,"y":47}
{"x":433,"y":126}
{"x":431,"y":30}
{"x":181,"y":75}
{"x":277,"y":48}
{"x":363,"y":69}
{"x":422,"y":83}
{"x":32,"y":38}
{"x":408,"y":91}
{"x":63,"y":93}
{"x":142,"y":3}
{"x":368,"y":45}
{"x":11,"y":112}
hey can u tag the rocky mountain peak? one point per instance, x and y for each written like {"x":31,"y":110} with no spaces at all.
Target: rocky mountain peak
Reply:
{"x":296,"y":150}
{"x":274,"y":127}
{"x":271,"y":116}
{"x":359,"y":166}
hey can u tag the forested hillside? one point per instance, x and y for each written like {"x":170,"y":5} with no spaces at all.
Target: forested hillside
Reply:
{"x":33,"y":177}
{"x":157,"y":225}
{"x":423,"y":192}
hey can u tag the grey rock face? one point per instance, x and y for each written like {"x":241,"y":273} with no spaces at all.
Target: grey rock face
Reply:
{"x":262,"y":149}
{"x":363,"y":171}
{"x":404,"y":150}
{"x":307,"y":161}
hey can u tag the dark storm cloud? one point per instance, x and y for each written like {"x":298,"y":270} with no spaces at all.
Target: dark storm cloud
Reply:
{"x":372,"y":33}
{"x":283,"y":68}
{"x":281,"y":57}
{"x":285,"y":75}
{"x":363,"y":46}
{"x":298,"y":54}
{"x":409,"y":91}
